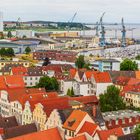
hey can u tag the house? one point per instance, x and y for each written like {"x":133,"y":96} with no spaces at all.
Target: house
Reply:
{"x":10,"y":128}
{"x":57,"y":118}
{"x":14,"y":61}
{"x":74,"y":123}
{"x":33,"y":76}
{"x":50,"y":134}
{"x":106,"y":65}
{"x":126,"y":119}
{"x":111,"y":134}
{"x":100,"y":81}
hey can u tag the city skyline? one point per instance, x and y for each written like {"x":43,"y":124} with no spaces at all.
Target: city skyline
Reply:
{"x":87,"y":11}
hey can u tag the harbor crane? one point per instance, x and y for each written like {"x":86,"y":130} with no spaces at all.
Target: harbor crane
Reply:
{"x":123,"y":34}
{"x":102,"y":40}
{"x":71,"y":21}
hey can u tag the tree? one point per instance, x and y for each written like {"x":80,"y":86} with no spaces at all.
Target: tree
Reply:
{"x":111,"y":100}
{"x":27,"y":50}
{"x":70,"y":92}
{"x":129,"y":65}
{"x":80,"y":62}
{"x":138,"y":57}
{"x":137,"y":132}
{"x":10,"y":52}
{"x":3,"y":52}
{"x":46,"y":62}
{"x":9,"y":34}
{"x":48,"y":83}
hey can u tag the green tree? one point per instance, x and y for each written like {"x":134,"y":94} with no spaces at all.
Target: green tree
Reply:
{"x":27,"y":50}
{"x":3,"y":52}
{"x":80,"y":62}
{"x":111,"y":100}
{"x":137,"y":132}
{"x":138,"y":57}
{"x":48,"y":83}
{"x":129,"y":65}
{"x":10,"y":52}
{"x":70,"y":92}
{"x":9,"y":34}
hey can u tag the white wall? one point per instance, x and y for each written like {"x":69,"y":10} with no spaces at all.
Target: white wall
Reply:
{"x":116,"y":66}
{"x":101,"y":88}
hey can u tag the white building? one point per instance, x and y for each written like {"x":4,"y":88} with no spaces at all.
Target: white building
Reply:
{"x":106,"y":65}
{"x":24,"y":33}
{"x":1,"y":22}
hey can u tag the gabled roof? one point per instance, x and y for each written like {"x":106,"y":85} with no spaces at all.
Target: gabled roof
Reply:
{"x":20,"y":70}
{"x":133,"y":81}
{"x":89,"y":128}
{"x":102,"y":77}
{"x":72,"y":73}
{"x":105,"y":134}
{"x":74,"y":120}
{"x":50,"y":134}
{"x":121,"y":80}
{"x":11,"y":81}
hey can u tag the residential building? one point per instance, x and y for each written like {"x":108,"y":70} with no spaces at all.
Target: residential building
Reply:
{"x":55,"y":55}
{"x":126,"y":119}
{"x":74,"y":123}
{"x":106,"y":65}
{"x":14,"y":61}
{"x":111,"y":134}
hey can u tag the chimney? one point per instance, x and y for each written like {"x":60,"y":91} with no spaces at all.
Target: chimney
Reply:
{"x":94,"y":110}
{"x":1,"y":131}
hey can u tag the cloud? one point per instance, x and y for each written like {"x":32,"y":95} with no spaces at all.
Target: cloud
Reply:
{"x":63,"y":10}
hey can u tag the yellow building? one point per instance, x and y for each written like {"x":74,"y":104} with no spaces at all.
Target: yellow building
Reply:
{"x":14,"y":62}
{"x":64,"y":34}
{"x":132,"y":99}
{"x":39,"y":116}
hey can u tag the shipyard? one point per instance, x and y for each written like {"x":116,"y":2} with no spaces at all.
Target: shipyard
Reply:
{"x":69,"y":70}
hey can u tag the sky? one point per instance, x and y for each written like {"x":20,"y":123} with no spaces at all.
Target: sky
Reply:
{"x":88,"y":11}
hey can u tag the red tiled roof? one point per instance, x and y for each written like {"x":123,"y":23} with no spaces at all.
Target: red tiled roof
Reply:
{"x":89,"y":74}
{"x":121,"y":80}
{"x":102,"y":77}
{"x":54,"y":68}
{"x":19,"y":70}
{"x":74,"y":120}
{"x":72,"y":73}
{"x":82,"y":137}
{"x":135,"y":121}
{"x":105,"y":134}
{"x":88,"y":127}
{"x":11,"y":81}
{"x":86,"y":99}
{"x":133,"y":81}
{"x":50,"y":134}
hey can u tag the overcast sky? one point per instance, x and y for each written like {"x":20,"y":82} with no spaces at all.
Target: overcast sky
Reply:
{"x":63,"y":10}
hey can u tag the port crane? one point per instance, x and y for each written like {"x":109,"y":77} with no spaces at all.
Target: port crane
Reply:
{"x":123,"y":34}
{"x":71,"y":21}
{"x":102,"y":40}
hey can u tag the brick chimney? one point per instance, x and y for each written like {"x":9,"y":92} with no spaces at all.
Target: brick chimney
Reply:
{"x":94,"y":110}
{"x":1,"y":131}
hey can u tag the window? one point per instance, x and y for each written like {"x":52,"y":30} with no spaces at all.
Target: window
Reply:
{"x":31,"y":83}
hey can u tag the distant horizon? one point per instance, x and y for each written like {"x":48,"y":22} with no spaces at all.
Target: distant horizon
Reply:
{"x":88,"y":11}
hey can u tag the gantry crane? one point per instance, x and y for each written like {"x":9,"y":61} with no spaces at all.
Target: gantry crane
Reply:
{"x":102,"y":40}
{"x":71,"y":21}
{"x":123,"y":34}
